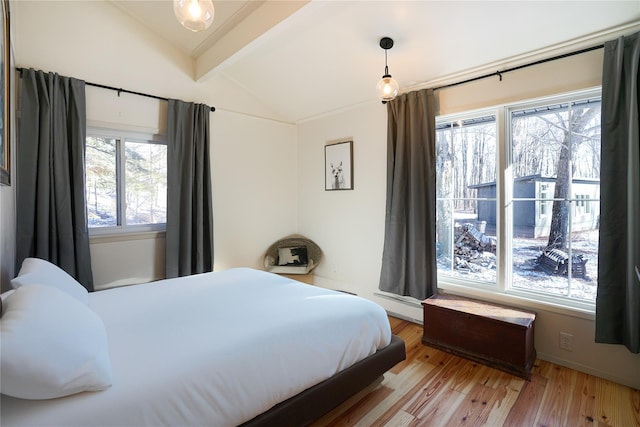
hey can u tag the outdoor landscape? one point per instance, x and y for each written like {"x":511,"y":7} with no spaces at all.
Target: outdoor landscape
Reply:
{"x":138,"y":167}
{"x":551,"y":206}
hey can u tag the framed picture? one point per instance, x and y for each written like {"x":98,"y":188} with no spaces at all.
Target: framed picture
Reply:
{"x":5,"y":94}
{"x":338,"y":166}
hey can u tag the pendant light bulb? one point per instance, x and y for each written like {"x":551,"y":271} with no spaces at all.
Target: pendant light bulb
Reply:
{"x":387,"y":88}
{"x":194,"y":15}
{"x":195,"y":10}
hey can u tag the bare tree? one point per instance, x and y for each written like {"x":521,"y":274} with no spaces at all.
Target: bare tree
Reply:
{"x":444,"y":166}
{"x":578,"y":121}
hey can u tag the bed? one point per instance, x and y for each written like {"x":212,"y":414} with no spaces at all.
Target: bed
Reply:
{"x":235,"y":347}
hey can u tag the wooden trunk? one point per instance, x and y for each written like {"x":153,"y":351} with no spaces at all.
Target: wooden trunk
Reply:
{"x":497,"y":336}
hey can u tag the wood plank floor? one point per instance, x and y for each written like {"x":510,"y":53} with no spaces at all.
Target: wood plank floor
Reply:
{"x":434,"y":388}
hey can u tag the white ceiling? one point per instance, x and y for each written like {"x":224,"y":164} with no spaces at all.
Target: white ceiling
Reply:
{"x":303,"y":59}
{"x":159,"y":17}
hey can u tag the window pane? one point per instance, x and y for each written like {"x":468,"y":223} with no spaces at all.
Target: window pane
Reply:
{"x":101,"y":186}
{"x":466,"y":199}
{"x":556,"y":191}
{"x":531,"y":269}
{"x":584,"y":244}
{"x":146,"y":183}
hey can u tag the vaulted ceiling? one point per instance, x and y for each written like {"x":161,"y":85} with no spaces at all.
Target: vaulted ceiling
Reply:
{"x":303,"y":59}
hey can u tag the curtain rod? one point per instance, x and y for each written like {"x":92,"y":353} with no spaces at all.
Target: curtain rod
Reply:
{"x":531,"y":64}
{"x":119,"y":90}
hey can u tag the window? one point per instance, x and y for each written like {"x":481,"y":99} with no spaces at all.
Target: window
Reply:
{"x":126,"y":182}
{"x":466,"y":198}
{"x":545,"y":196}
{"x":583,"y":207}
{"x":518,"y":199}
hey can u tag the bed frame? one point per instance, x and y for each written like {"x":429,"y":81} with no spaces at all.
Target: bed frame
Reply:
{"x":311,"y":404}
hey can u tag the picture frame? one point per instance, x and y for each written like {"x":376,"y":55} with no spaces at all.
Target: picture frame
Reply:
{"x":5,"y":93}
{"x":338,"y":166}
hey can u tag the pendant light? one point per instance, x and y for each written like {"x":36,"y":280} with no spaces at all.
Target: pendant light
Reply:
{"x":387,"y":87}
{"x":194,"y":15}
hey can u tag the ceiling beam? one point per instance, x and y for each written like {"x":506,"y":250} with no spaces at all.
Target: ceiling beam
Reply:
{"x":265,"y":17}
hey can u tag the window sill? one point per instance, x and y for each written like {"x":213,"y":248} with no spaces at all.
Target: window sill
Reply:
{"x":526,"y":302}
{"x":126,"y":236}
{"x":521,"y":300}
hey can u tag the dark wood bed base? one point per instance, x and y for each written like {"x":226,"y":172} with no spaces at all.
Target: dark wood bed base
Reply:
{"x":311,"y":404}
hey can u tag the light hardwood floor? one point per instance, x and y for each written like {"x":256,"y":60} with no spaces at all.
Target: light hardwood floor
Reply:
{"x":434,"y":388}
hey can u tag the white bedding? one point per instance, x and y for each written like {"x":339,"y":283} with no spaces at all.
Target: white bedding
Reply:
{"x":213,"y":349}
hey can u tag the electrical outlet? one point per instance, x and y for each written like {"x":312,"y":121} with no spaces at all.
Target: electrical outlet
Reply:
{"x":566,"y":341}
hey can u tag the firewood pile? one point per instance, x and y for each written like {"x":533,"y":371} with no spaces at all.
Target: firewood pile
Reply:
{"x":473,"y":249}
{"x":555,"y":261}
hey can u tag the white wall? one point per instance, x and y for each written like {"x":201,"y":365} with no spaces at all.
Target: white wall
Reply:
{"x":253,"y":160}
{"x":7,"y":236}
{"x":7,"y":232}
{"x":255,"y":187}
{"x":7,"y":204}
{"x":349,"y":225}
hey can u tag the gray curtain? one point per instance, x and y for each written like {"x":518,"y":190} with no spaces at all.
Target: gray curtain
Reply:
{"x":409,"y":253}
{"x":189,"y":241}
{"x":618,"y":299}
{"x":51,"y":210}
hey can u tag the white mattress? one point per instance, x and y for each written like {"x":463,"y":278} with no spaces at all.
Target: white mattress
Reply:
{"x":213,"y":349}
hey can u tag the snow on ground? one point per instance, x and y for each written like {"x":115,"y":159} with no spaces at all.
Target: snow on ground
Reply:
{"x":526,"y":274}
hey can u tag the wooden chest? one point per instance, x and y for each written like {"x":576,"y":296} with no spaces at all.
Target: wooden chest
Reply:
{"x":497,"y":336}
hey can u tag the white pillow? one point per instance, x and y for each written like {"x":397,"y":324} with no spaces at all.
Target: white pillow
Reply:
{"x":52,"y":345}
{"x":41,"y":272}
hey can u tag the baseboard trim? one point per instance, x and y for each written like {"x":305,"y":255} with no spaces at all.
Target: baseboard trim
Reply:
{"x":412,"y":302}
{"x":586,"y":369}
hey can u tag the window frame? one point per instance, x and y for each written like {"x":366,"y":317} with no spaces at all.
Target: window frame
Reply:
{"x":502,"y":291}
{"x":123,"y":136}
